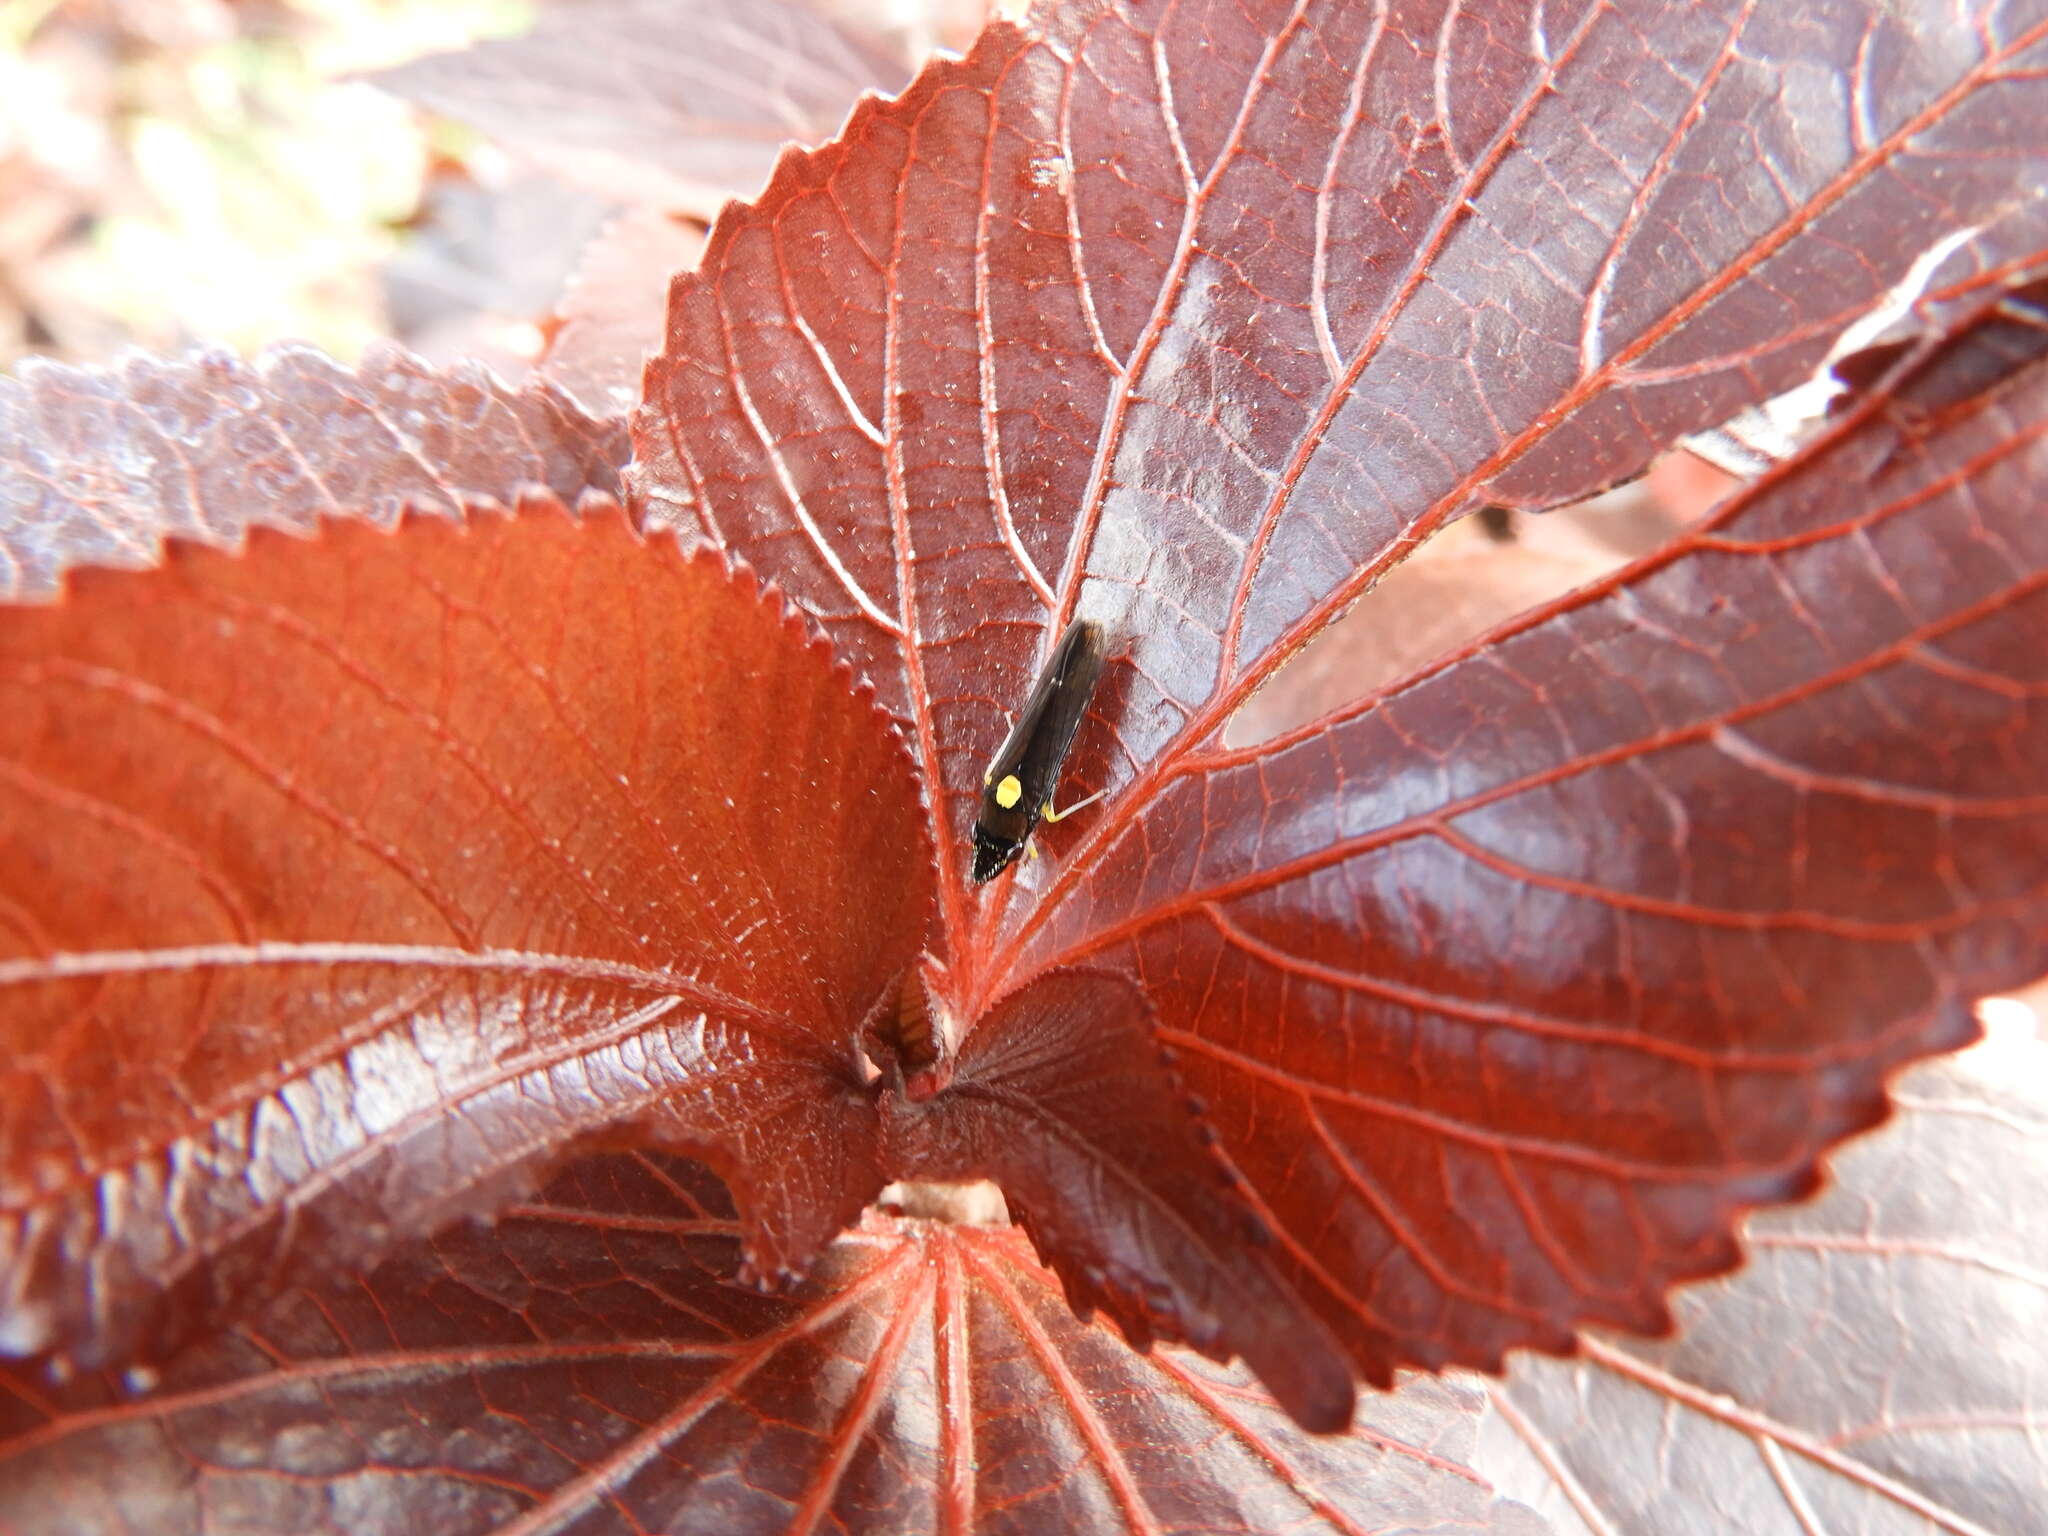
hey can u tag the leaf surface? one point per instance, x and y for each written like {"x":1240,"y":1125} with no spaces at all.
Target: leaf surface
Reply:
{"x":1516,"y":981}
{"x":345,"y":880}
{"x":1194,"y":319}
{"x":1465,"y":581}
{"x":1060,"y":1096}
{"x":1507,"y":990}
{"x":588,"y":1365}
{"x":99,"y":466}
{"x":1908,"y":1403}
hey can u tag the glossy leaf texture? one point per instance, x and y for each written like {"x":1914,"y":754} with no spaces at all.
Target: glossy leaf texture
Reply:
{"x":1193,"y":319}
{"x":99,"y":466}
{"x":1061,"y":1097}
{"x":1910,"y":1404}
{"x":1519,"y":980}
{"x":1504,"y":992}
{"x":346,"y":881}
{"x":588,"y":1365}
{"x":652,"y":102}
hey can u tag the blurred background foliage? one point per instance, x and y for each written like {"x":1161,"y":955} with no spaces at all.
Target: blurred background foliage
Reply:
{"x":173,"y":171}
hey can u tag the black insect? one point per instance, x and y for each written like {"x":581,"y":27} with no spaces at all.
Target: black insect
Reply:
{"x":1017,"y":789}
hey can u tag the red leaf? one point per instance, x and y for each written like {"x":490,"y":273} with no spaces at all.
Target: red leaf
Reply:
{"x":588,"y":1365}
{"x":1195,"y":320}
{"x":1059,"y":1095}
{"x":343,"y":881}
{"x":98,"y":467}
{"x":1526,"y":976}
{"x":1508,"y":991}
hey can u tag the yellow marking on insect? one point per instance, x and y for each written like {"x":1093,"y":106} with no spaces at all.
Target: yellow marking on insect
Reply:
{"x":1009,"y":792}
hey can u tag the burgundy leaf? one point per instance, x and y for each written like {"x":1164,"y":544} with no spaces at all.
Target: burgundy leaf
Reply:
{"x":1195,"y":318}
{"x":344,"y":880}
{"x":587,"y":1365}
{"x":1503,"y":992}
{"x":681,"y":103}
{"x":1060,"y":1096}
{"x":1910,"y":1403}
{"x":99,"y":466}
{"x":1509,"y":990}
{"x":1519,"y":980}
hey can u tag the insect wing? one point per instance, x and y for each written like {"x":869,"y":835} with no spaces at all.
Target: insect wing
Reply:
{"x":1038,"y":743}
{"x":1027,"y":769}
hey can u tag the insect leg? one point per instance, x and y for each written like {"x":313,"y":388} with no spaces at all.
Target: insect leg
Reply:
{"x":1050,"y":814}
